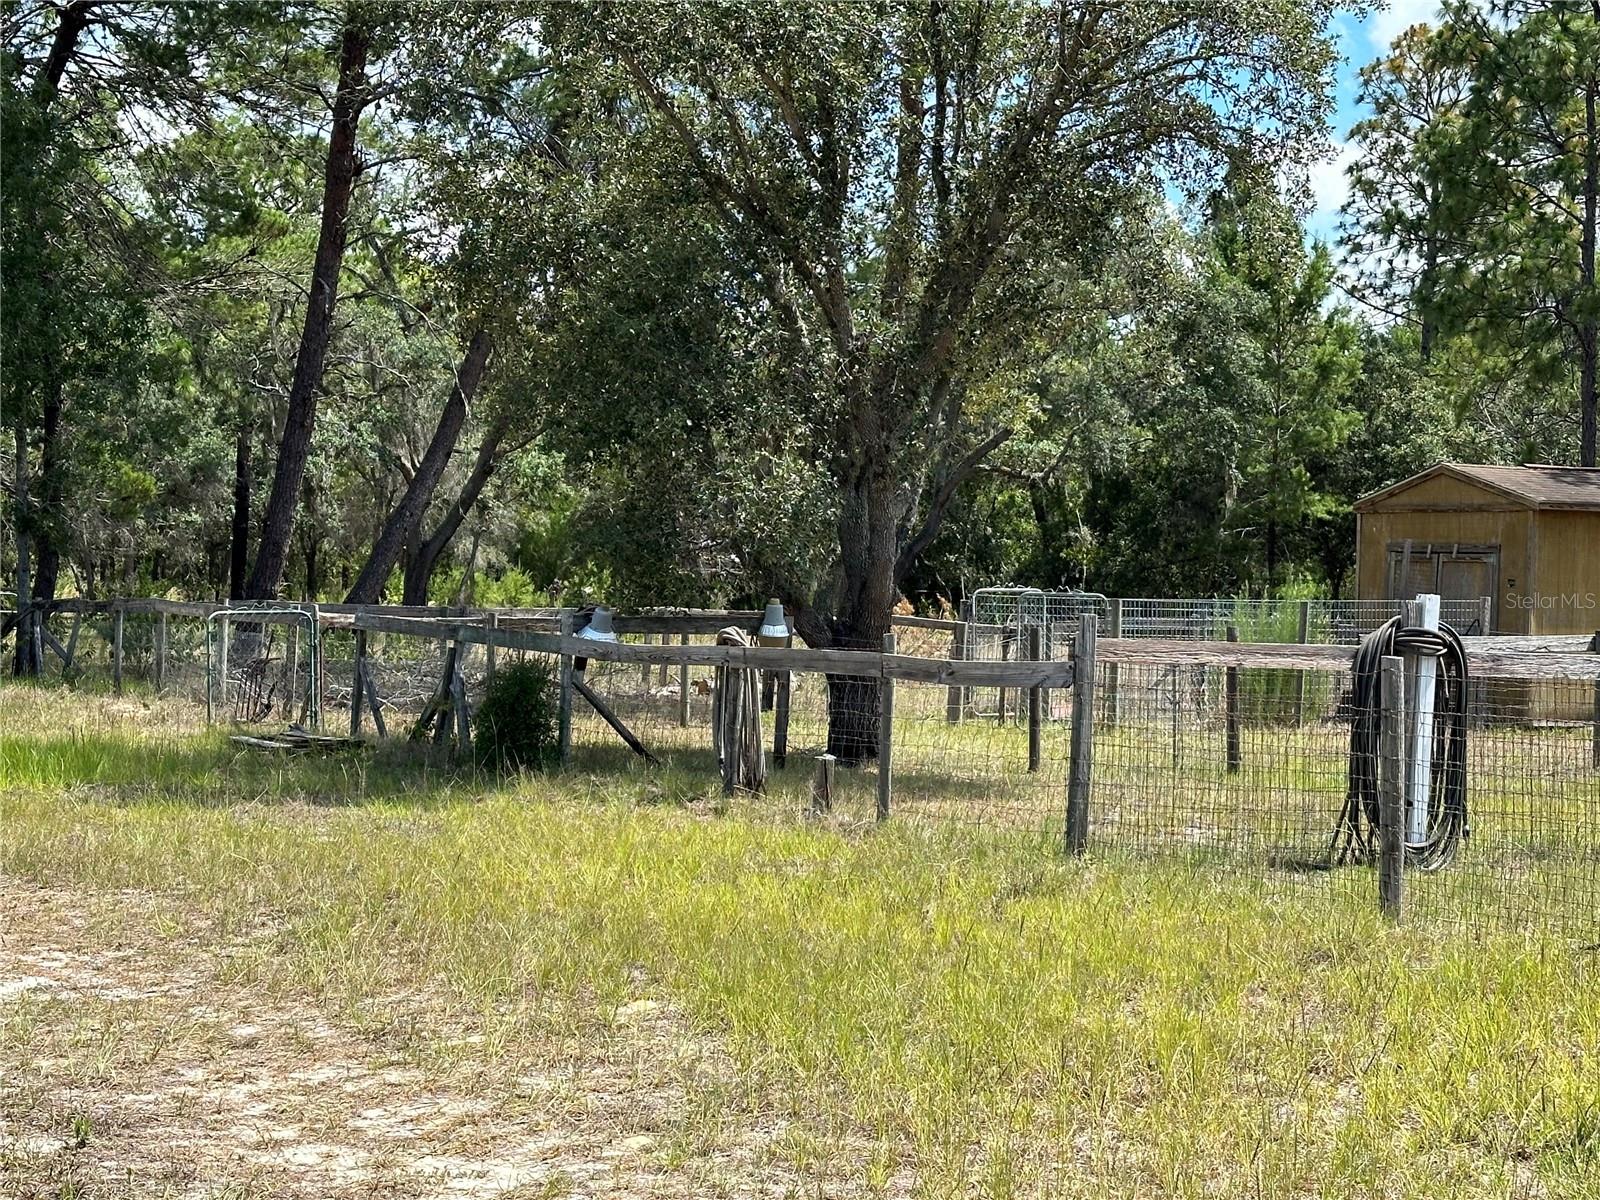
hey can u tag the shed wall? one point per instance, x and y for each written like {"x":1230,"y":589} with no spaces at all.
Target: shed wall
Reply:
{"x":1475,"y":524}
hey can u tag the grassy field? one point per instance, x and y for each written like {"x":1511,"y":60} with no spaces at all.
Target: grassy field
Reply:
{"x":225,"y":975}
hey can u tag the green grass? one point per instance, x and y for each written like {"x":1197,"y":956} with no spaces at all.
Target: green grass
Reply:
{"x":921,"y":1001}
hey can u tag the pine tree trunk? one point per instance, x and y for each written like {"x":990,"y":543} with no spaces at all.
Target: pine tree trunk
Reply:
{"x":239,"y":545}
{"x":339,"y":175}
{"x":1589,"y":333}
{"x":386,"y":550}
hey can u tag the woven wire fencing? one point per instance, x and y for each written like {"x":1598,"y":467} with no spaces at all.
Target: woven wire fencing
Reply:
{"x":1243,"y":770}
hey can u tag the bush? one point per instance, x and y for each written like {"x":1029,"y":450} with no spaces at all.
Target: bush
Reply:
{"x":516,"y":725}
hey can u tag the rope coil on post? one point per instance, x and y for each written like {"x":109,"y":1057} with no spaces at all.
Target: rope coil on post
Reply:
{"x":1355,"y":837}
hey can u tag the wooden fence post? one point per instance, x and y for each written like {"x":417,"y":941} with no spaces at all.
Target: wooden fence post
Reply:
{"x":1391,"y":786}
{"x":683,"y":686}
{"x":1300,"y":676}
{"x":161,"y":653}
{"x":1035,"y":702}
{"x":958,"y":653}
{"x":564,"y":682}
{"x":885,"y":732}
{"x":822,"y":785}
{"x":489,"y":649}
{"x":116,"y":647}
{"x":358,"y":687}
{"x":1233,"y":708}
{"x":1080,"y":772}
{"x":780,"y":716}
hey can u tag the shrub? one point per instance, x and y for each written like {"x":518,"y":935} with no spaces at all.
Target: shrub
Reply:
{"x":516,"y":725}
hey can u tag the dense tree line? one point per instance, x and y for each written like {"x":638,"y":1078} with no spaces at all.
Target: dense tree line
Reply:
{"x":700,"y":302}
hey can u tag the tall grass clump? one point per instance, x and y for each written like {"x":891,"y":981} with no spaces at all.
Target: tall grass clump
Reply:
{"x":516,"y":725}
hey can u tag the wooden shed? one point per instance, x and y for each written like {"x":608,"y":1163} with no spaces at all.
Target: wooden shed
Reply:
{"x":1527,"y":536}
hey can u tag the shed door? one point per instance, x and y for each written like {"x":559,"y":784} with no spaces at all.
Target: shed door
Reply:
{"x":1453,"y":572}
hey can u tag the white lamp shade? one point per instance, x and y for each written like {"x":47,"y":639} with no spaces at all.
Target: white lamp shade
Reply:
{"x":599,"y":627}
{"x":774,"y":629}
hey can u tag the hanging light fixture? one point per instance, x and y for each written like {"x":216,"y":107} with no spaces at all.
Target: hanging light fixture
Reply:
{"x":599,"y":627}
{"x":774,"y":629}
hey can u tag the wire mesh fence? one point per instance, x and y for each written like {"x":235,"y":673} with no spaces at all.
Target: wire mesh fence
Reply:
{"x":1226,"y":768}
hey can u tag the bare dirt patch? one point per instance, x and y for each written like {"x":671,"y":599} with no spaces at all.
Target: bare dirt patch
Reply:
{"x":135,"y":1062}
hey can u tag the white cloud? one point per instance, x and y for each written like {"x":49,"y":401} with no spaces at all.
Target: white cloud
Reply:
{"x":1397,"y":16}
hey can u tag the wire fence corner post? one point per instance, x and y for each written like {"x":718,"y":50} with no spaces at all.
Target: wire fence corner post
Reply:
{"x":885,"y":729}
{"x":1080,"y":771}
{"x":564,"y":698}
{"x":1391,"y":787}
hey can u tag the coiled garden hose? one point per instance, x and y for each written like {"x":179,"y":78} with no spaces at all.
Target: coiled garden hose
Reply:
{"x":1355,"y":838}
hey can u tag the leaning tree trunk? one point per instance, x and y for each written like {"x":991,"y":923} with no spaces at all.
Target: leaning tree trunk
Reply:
{"x":419,"y":571}
{"x":338,"y":182}
{"x":386,"y":550}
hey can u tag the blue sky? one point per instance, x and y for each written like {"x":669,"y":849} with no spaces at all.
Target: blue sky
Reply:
{"x":1360,"y":41}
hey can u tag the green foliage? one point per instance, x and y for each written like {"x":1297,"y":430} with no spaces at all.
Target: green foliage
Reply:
{"x":515,"y":727}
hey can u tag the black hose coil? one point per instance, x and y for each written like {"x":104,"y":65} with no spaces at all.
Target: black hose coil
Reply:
{"x":1355,"y":838}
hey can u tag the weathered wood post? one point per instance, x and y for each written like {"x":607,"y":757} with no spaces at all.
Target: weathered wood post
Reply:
{"x":1113,"y":697}
{"x":780,"y":716}
{"x":644,"y":670}
{"x":116,"y":647}
{"x":489,"y":649}
{"x":958,"y":652}
{"x":1300,"y":676}
{"x":1080,"y":772}
{"x":161,"y":653}
{"x":1233,"y":708}
{"x":1035,"y":702}
{"x":683,"y":685}
{"x":1485,"y":615}
{"x":358,"y":686}
{"x":1005,"y":656}
{"x":885,"y":730}
{"x":822,"y":785}
{"x":1391,"y":787}
{"x":564,"y":702}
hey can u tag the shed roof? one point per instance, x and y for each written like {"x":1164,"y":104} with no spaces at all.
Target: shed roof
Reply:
{"x":1532,"y":485}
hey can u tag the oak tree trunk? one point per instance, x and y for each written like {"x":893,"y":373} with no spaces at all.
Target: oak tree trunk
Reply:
{"x":386,"y":550}
{"x":338,"y":182}
{"x":419,"y":571}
